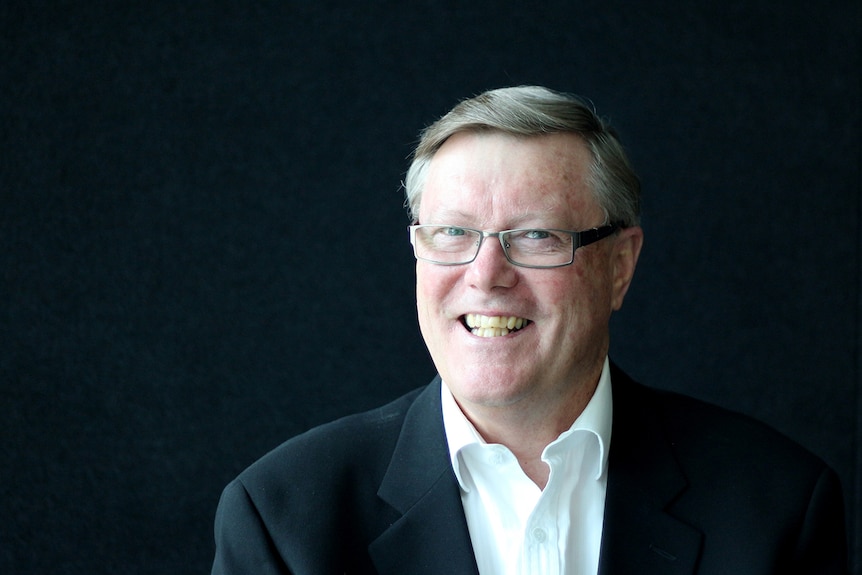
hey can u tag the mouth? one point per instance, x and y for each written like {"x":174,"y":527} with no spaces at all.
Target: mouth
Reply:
{"x":493,"y":326}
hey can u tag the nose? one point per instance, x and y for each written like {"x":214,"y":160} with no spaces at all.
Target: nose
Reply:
{"x":491,"y":269}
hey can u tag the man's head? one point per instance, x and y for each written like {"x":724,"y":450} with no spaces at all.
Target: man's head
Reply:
{"x":522,"y":158}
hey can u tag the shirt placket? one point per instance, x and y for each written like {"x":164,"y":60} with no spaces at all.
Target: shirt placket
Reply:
{"x":540,"y":547}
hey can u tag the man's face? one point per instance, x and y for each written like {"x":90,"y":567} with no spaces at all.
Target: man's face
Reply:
{"x":492,"y":181}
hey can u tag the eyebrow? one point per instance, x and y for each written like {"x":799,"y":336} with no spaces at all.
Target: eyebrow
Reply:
{"x":455,"y":215}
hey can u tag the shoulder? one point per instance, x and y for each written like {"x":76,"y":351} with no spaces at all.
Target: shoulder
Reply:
{"x":741,"y":479}
{"x":311,"y":503}
{"x":325,"y":480}
{"x":703,"y":430}
{"x":725,"y":456}
{"x":699,"y":429}
{"x":362,"y":441}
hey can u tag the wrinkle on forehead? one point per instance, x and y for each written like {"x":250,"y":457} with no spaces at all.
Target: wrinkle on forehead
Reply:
{"x":495,"y":179}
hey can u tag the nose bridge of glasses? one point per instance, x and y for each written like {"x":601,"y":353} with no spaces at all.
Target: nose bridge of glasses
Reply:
{"x":501,"y":237}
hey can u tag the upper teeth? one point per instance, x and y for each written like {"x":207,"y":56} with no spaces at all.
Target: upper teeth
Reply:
{"x":494,"y":326}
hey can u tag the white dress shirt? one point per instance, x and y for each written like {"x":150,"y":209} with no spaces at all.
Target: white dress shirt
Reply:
{"x":517,"y":528}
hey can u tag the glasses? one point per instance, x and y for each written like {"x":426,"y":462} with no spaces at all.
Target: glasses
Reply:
{"x":529,"y":248}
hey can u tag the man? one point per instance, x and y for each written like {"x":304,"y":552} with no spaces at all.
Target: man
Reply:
{"x":531,"y":453}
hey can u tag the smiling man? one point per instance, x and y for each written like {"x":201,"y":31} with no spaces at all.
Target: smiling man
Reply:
{"x":531,"y":453}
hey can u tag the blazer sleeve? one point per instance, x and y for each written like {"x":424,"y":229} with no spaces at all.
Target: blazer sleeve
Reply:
{"x":243,"y":543}
{"x":822,"y":545}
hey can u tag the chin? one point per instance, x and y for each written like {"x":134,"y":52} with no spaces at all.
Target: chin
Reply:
{"x":486,"y":390}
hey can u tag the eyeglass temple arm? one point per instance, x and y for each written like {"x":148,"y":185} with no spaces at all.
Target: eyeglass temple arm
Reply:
{"x":588,"y":237}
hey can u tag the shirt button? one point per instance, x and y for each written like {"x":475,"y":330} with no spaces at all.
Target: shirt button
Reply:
{"x":540,"y":535}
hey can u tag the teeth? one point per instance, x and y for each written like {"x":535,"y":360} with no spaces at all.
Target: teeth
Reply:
{"x":494,"y":326}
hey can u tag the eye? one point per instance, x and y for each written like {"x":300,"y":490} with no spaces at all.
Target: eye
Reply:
{"x":454,"y":232}
{"x":537,"y":234}
{"x":539,"y":240}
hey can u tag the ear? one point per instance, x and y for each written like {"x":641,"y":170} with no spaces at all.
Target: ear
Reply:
{"x":627,"y":249}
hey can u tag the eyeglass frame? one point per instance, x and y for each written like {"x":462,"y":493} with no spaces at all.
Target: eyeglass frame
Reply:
{"x":579,"y":240}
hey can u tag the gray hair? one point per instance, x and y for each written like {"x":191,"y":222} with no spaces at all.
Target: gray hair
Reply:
{"x":533,"y":111}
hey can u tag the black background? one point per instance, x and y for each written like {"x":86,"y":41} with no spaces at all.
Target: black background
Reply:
{"x":204,"y":251}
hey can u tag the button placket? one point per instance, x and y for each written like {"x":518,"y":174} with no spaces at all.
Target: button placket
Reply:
{"x":539,"y":555}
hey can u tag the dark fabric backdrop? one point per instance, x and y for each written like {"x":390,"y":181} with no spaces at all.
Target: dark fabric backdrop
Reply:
{"x":203,"y":244}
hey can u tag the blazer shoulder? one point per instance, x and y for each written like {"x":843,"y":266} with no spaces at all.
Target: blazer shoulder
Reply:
{"x":362,"y":441}
{"x":702,"y":427}
{"x":715,"y":446}
{"x":706,"y":425}
{"x":312,"y":501}
{"x":744,"y":481}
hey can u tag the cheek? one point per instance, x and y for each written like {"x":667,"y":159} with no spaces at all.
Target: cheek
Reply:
{"x":581,"y":297}
{"x":432,"y":287}
{"x":425,"y":285}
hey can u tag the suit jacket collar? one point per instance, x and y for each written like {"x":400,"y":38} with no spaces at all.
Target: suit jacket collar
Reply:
{"x":431,"y":537}
{"x":639,"y":536}
{"x":644,"y":478}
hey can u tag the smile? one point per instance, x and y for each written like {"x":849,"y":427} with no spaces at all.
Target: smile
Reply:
{"x":493,"y":326}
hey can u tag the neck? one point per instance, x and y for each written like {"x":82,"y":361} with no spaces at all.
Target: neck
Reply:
{"x":527,"y":426}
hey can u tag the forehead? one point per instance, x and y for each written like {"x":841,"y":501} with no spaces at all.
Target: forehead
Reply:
{"x":497,"y":177}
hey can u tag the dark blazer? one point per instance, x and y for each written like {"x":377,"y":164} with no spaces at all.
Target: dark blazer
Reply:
{"x":692,"y":489}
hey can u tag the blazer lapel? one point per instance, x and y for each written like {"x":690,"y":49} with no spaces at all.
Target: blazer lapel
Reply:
{"x":431,"y":536}
{"x":639,"y":536}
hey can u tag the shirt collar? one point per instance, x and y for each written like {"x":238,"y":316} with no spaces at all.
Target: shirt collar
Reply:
{"x":596,"y":419}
